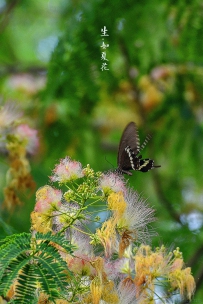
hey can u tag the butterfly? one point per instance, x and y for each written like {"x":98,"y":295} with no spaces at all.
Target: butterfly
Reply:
{"x":128,"y":152}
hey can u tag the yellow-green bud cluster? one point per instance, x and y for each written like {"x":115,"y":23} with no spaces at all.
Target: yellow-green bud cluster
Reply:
{"x":88,"y":172}
{"x":69,"y":195}
{"x":177,"y":253}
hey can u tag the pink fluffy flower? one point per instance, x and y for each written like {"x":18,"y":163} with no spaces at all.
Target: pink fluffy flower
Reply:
{"x":127,"y":292}
{"x":112,"y":182}
{"x":9,"y":113}
{"x":113,"y":269}
{"x":67,"y":170}
{"x":30,"y":136}
{"x":138,"y":215}
{"x":81,"y":264}
{"x":47,"y":198}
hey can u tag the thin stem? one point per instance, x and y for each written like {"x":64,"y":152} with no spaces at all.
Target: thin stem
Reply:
{"x":95,"y":211}
{"x":81,"y":230}
{"x":153,"y":292}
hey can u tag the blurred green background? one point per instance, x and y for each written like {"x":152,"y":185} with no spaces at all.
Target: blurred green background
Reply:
{"x":50,"y":65}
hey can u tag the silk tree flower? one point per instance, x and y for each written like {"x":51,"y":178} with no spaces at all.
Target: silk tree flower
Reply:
{"x":67,"y":216}
{"x":9,"y":116}
{"x":47,"y":198}
{"x":29,"y":136}
{"x":151,"y":265}
{"x":82,"y":242}
{"x":9,"y":113}
{"x":181,"y":277}
{"x":116,"y":203}
{"x":135,"y":219}
{"x":127,"y":292}
{"x":103,"y":292}
{"x":67,"y":170}
{"x":131,"y":215}
{"x":40,"y":222}
{"x":80,"y":264}
{"x":113,"y":269}
{"x":101,"y":288}
{"x":26,"y":83}
{"x":107,"y":236}
{"x":111,"y":182}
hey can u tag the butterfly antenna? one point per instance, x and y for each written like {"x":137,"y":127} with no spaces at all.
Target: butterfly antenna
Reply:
{"x":109,"y":162}
{"x":156,"y":166}
{"x":138,"y":141}
{"x":147,"y":139}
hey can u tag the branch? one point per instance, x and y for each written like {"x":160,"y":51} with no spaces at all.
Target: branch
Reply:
{"x":199,"y":278}
{"x":196,"y":256}
{"x":167,"y":204}
{"x":131,"y":77}
{"x":34,"y":70}
{"x":5,"y":13}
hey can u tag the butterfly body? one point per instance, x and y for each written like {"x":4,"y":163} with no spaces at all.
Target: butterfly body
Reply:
{"x":128,"y":152}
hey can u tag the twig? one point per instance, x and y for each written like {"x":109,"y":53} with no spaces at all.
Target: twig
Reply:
{"x":5,"y":13}
{"x":34,"y":70}
{"x":163,"y":199}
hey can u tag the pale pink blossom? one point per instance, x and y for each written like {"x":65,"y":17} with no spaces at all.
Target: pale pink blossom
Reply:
{"x":29,"y":135}
{"x":47,"y":198}
{"x":82,"y":242}
{"x":64,"y":216}
{"x":112,"y":182}
{"x":137,"y":216}
{"x":66,"y":171}
{"x":81,"y":264}
{"x":161,"y":72}
{"x":127,"y":292}
{"x":9,"y":113}
{"x":113,"y":269}
{"x":67,"y":216}
{"x":26,"y":83}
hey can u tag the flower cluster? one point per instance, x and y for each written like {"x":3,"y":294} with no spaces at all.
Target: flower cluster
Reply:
{"x":107,"y":222}
{"x":66,"y":171}
{"x":17,"y":140}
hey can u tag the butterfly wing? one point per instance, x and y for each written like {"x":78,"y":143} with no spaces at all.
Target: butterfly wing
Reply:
{"x":129,"y":138}
{"x":146,"y":165}
{"x":128,"y":162}
{"x":129,"y":148}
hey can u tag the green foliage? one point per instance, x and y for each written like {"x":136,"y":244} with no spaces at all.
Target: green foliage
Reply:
{"x":91,"y":109}
{"x":34,"y":263}
{"x":134,"y":38}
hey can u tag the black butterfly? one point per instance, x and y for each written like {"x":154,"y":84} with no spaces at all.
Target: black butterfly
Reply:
{"x":128,"y":152}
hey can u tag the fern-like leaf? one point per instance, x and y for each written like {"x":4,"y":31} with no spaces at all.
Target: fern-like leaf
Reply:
{"x":15,"y":246}
{"x":26,"y":285}
{"x":35,"y":265}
